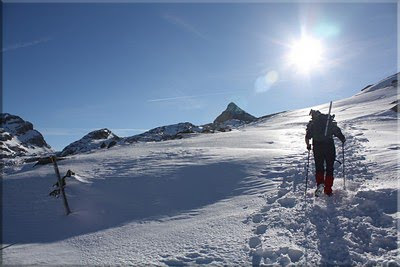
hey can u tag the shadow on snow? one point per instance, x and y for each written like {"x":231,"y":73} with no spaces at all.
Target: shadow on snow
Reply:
{"x":34,"y":217}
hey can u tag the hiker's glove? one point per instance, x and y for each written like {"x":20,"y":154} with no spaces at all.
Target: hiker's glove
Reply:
{"x":309,"y":147}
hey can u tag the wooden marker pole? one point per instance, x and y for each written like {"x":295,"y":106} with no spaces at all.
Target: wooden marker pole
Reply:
{"x":60,"y":185}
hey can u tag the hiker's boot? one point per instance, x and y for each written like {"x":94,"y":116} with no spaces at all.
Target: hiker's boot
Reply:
{"x":319,"y":190}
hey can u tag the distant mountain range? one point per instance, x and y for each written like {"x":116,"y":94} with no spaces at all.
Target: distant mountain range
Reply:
{"x":230,"y":118}
{"x":18,"y":138}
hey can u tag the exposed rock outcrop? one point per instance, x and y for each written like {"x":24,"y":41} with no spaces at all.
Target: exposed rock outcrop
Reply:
{"x":98,"y":139}
{"x":19,"y":138}
{"x":174,"y":131}
{"x":233,"y":112}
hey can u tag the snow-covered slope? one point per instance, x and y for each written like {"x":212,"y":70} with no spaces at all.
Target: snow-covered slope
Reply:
{"x":18,"y":138}
{"x":387,"y":82}
{"x":232,"y":198}
{"x":98,"y":139}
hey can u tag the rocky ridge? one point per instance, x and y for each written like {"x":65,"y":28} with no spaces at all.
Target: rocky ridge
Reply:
{"x":98,"y":139}
{"x":229,"y":119}
{"x":18,"y":138}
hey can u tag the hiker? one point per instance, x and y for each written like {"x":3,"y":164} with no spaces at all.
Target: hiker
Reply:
{"x":323,"y":149}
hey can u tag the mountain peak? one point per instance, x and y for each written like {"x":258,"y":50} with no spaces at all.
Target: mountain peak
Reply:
{"x":232,"y":107}
{"x":100,"y":134}
{"x":233,"y":112}
{"x":19,"y":138}
{"x":96,"y":139}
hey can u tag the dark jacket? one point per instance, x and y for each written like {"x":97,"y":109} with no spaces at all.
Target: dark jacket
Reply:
{"x":316,"y":130}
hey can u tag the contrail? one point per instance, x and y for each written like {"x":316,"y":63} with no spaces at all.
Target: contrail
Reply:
{"x":192,"y":96}
{"x":27,"y":44}
{"x":183,"y":24}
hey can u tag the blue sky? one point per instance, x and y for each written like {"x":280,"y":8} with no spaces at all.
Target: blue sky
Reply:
{"x":73,"y":68}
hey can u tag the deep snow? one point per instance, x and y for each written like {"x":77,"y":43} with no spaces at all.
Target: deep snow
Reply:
{"x":234,"y":198}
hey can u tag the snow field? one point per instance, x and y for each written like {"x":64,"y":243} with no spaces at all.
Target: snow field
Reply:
{"x":356,"y":226}
{"x":234,"y":198}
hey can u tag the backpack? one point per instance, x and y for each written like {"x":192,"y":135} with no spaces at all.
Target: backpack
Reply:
{"x":317,"y":127}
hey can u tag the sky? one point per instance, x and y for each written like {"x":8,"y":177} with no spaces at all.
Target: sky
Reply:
{"x":73,"y":68}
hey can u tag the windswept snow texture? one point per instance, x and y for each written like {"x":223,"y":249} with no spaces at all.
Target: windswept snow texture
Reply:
{"x":233,"y":198}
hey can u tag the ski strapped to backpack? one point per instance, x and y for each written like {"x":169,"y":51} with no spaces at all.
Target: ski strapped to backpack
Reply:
{"x":326,"y":132}
{"x":329,"y":117}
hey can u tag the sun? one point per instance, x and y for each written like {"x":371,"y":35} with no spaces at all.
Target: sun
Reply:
{"x":305,"y":54}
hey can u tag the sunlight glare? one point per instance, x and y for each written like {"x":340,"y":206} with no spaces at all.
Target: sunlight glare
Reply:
{"x":305,"y":54}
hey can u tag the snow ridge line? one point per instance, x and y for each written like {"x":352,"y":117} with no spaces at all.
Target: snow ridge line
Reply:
{"x":351,"y":227}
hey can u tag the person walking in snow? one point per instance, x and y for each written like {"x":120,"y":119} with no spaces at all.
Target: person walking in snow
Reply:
{"x":323,"y":148}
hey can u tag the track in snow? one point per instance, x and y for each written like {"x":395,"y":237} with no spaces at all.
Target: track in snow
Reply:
{"x":346,"y":229}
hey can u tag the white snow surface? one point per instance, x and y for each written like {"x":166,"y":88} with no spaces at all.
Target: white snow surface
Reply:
{"x":233,"y":198}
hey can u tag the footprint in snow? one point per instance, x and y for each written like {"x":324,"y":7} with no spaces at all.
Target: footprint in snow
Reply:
{"x":254,"y":242}
{"x":257,"y":218}
{"x":282,"y":256}
{"x":261,"y":229}
{"x":288,"y":202}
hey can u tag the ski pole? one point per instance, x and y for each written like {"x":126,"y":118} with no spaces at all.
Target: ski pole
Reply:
{"x":344,"y":176}
{"x":305,"y":204}
{"x":308,"y":164}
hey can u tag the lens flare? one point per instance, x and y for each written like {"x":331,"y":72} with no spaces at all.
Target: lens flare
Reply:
{"x":264,"y":82}
{"x":271,"y":77}
{"x":327,"y":30}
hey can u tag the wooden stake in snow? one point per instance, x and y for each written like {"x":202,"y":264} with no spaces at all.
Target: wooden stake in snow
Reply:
{"x":60,"y":185}
{"x":329,"y":118}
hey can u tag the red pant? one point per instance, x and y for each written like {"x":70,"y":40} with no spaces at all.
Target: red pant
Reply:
{"x":324,"y":154}
{"x":328,"y":181}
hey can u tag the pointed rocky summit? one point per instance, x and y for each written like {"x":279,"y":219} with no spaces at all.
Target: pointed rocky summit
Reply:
{"x":233,"y":112}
